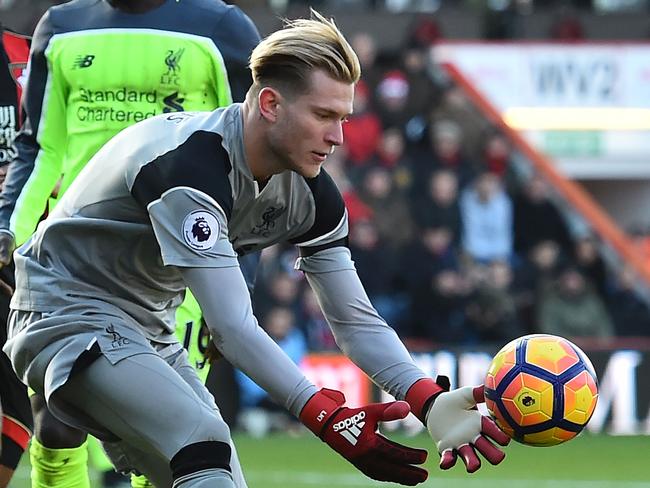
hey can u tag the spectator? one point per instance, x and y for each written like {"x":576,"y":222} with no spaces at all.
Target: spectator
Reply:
{"x":376,"y":265}
{"x":590,"y":263}
{"x":432,"y":251}
{"x":444,"y":151}
{"x":537,"y":219}
{"x":425,"y":33}
{"x":392,"y":95}
{"x":438,"y":312}
{"x":280,"y":290}
{"x":366,"y":48}
{"x":491,"y":309}
{"x":572,"y":308}
{"x":440,"y":207}
{"x":630,"y":314}
{"x":428,"y":255}
{"x":424,"y":93}
{"x":392,"y":217}
{"x":502,"y":20}
{"x":357,"y":210}
{"x":389,"y":153}
{"x":497,"y":158}
{"x":486,"y":213}
{"x":454,"y":106}
{"x":312,"y":321}
{"x":362,"y":133}
{"x":567,"y":28}
{"x":533,"y":277}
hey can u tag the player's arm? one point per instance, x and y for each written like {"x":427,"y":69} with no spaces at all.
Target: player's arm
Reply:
{"x":351,"y":432}
{"x":190,"y":224}
{"x":235,"y":36}
{"x":450,"y":416}
{"x":40,"y":144}
{"x":363,"y":335}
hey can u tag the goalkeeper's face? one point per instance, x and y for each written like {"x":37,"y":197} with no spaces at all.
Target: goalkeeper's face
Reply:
{"x":310,"y":125}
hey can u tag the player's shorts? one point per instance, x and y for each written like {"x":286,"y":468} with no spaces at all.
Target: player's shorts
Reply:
{"x":46,"y":348}
{"x":17,"y":422}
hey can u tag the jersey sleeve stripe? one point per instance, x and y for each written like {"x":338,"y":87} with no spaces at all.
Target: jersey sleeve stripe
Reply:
{"x":315,"y":241}
{"x":200,"y":163}
{"x":193,"y":190}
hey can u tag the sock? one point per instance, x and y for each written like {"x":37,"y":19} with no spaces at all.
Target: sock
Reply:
{"x":59,"y":468}
{"x":140,"y":482}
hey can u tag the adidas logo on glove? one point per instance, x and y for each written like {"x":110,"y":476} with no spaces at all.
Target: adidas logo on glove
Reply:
{"x":351,"y":427}
{"x":353,"y":433}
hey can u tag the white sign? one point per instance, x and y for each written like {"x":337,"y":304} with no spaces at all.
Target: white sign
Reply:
{"x":554,"y":75}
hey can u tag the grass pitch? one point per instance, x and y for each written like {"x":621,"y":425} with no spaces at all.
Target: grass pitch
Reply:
{"x":589,"y":461}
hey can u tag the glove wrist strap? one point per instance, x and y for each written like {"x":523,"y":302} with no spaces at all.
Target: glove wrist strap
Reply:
{"x":420,"y":395}
{"x":319,"y":408}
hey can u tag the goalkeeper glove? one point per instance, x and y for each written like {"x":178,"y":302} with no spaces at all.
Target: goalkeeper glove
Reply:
{"x":352,"y":432}
{"x":456,"y":426}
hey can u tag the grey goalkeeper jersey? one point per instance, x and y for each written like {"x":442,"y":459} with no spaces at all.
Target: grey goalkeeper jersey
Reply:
{"x":171,"y":202}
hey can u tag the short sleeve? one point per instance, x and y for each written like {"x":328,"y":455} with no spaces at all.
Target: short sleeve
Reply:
{"x":187,"y":194}
{"x":191,"y":229}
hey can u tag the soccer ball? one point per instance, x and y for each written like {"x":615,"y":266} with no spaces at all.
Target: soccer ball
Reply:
{"x":541,"y":390}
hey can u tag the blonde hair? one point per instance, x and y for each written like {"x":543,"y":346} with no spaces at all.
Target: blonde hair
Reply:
{"x":286,"y":58}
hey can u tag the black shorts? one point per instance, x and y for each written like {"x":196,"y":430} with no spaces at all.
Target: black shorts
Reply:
{"x":17,"y":422}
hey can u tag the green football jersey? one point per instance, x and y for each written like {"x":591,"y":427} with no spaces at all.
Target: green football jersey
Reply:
{"x":95,"y":70}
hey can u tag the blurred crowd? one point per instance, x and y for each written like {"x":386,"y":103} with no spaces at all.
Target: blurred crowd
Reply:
{"x":453,"y":244}
{"x":565,"y":20}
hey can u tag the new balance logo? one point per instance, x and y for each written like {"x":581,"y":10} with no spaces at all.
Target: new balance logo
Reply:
{"x":173,"y":103}
{"x":350,"y":428}
{"x":84,"y":61}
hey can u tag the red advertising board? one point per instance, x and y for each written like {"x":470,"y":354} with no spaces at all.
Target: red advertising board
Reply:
{"x":339,"y":373}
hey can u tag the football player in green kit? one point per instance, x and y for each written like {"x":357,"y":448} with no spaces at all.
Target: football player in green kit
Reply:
{"x":97,"y":67}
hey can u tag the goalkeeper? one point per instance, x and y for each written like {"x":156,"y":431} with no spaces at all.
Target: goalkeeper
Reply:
{"x":96,"y":68}
{"x":172,"y":202}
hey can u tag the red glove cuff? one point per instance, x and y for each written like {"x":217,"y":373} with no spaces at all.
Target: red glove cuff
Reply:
{"x":420,"y":395}
{"x":319,"y":408}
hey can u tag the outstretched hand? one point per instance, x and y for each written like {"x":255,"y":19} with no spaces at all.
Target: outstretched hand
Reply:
{"x":455,"y":424}
{"x":460,"y":430}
